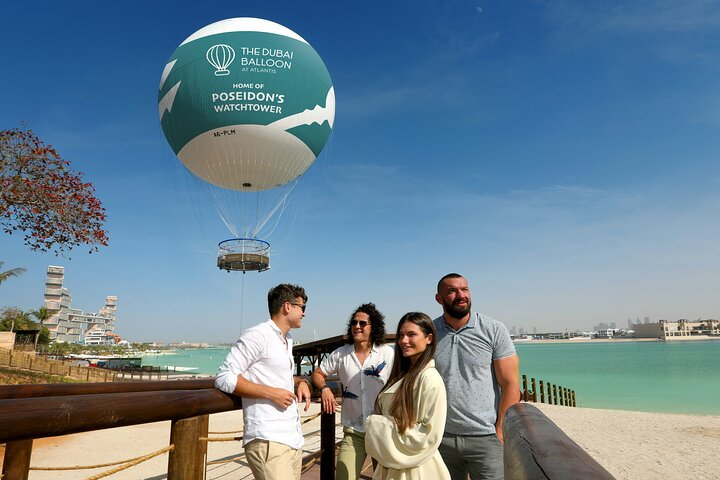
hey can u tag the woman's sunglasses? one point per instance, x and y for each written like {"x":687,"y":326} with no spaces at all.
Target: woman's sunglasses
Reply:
{"x":360,"y":323}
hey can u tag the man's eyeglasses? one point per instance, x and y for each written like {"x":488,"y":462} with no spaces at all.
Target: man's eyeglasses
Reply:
{"x":359,"y":323}
{"x":302,"y":306}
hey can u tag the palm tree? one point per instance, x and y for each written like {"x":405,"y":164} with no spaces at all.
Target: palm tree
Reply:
{"x":13,"y":272}
{"x":41,"y":314}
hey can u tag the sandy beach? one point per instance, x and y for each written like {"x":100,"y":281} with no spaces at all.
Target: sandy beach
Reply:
{"x":630,"y":445}
{"x":639,"y":445}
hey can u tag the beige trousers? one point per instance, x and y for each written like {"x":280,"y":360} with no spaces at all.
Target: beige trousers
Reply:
{"x":273,"y":460}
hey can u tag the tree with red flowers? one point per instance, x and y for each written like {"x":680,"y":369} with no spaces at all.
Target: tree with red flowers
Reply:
{"x":42,"y":198}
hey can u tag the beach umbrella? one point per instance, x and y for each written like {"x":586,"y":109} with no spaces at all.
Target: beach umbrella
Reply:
{"x":247,"y":105}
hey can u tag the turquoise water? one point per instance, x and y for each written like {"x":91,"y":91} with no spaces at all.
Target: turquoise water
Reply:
{"x":200,"y":360}
{"x":673,"y":377}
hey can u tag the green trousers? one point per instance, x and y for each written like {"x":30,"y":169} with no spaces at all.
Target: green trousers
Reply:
{"x":352,"y":456}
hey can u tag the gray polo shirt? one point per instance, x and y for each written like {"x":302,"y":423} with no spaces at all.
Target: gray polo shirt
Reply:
{"x":464,"y":359}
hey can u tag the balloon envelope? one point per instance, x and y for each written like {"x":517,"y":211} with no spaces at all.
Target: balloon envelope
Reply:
{"x":246,"y":104}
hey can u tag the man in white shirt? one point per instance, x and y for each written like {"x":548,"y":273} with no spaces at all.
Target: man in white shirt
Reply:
{"x":259,"y":368}
{"x":363,"y":365}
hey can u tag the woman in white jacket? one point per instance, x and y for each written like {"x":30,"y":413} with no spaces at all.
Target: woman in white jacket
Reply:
{"x":404,"y":434}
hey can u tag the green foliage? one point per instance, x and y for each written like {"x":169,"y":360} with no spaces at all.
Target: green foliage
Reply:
{"x":42,"y":199}
{"x":12,"y":319}
{"x":13,"y":272}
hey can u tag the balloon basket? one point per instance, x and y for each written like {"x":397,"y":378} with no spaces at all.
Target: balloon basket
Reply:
{"x":243,"y":255}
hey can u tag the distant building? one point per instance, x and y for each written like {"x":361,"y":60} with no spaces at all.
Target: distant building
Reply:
{"x":72,"y":325}
{"x":668,"y":330}
{"x":601,"y":326}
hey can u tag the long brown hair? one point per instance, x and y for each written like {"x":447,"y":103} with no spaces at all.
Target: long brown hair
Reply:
{"x":402,"y":408}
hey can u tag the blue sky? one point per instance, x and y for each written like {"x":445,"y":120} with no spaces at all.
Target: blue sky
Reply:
{"x":562,"y":155}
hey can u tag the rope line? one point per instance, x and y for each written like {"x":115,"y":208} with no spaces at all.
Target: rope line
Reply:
{"x":131,"y":464}
{"x":310,"y":418}
{"x":142,"y":458}
{"x":220,"y":439}
{"x":312,"y":462}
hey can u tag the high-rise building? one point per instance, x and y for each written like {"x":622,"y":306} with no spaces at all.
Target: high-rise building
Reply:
{"x":67,"y":324}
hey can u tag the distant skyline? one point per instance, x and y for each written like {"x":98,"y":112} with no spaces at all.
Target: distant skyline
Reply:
{"x":562,"y":155}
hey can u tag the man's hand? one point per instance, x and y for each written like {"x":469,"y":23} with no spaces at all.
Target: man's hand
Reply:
{"x":499,"y":433}
{"x":303,"y":394}
{"x":328,"y":400}
{"x":281,"y":397}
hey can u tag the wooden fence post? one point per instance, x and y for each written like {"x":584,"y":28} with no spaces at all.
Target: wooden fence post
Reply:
{"x":555,"y":394}
{"x":573,"y":398}
{"x":203,"y":444}
{"x":524,"y":388}
{"x":534,"y":390}
{"x":542,"y":391}
{"x":183,"y":460}
{"x":327,"y":446}
{"x":16,"y":465}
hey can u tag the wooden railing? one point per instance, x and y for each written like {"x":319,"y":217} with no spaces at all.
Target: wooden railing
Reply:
{"x":536,"y":449}
{"x":28,"y":412}
{"x":556,"y":395}
{"x":36,"y":411}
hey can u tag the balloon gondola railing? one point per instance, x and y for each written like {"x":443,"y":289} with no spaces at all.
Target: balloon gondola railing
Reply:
{"x":243,"y":255}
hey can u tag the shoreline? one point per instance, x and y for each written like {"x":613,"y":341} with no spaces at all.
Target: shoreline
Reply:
{"x":584,"y":340}
{"x":575,"y":340}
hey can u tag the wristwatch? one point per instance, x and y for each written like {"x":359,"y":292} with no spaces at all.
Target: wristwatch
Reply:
{"x":324,"y":386}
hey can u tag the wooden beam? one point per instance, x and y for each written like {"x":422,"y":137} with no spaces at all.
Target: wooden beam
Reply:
{"x":51,"y":390}
{"x":16,"y":465}
{"x":535,"y":449}
{"x":26,"y":418}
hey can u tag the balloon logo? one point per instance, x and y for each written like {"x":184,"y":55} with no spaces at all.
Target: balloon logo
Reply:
{"x":220,"y":57}
{"x":252,"y":128}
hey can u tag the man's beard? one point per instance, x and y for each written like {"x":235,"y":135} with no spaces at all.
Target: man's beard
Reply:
{"x":457,"y":312}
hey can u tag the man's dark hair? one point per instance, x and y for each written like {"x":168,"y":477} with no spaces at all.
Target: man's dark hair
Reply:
{"x":449,"y":275}
{"x":377,"y":324}
{"x":284,"y":292}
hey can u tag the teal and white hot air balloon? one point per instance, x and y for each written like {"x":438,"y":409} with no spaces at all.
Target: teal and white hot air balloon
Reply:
{"x":246,"y":105}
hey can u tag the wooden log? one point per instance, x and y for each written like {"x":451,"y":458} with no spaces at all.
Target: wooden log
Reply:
{"x":16,"y":464}
{"x":57,"y":389}
{"x":555,"y":395}
{"x":327,"y":446}
{"x":183,"y":459}
{"x":26,"y":418}
{"x":535,"y":449}
{"x":524,"y":388}
{"x":573,"y":399}
{"x":542,"y":391}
